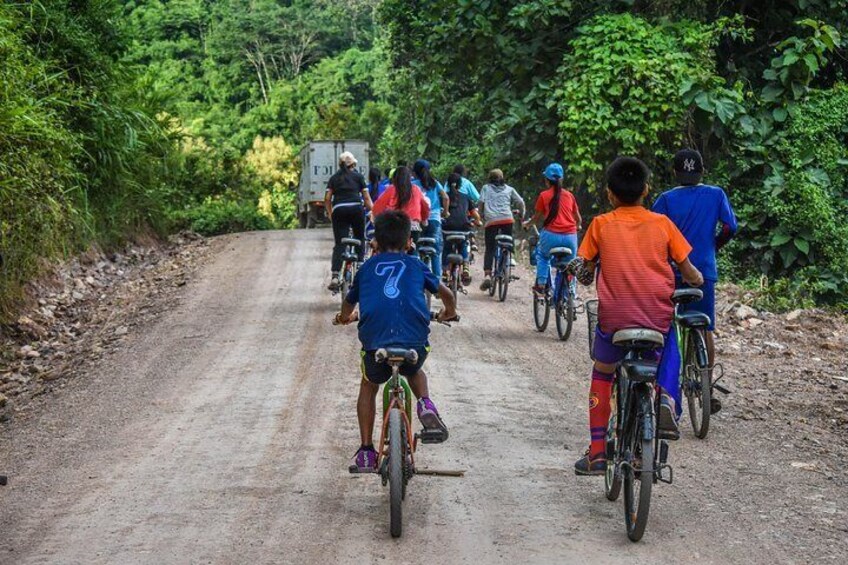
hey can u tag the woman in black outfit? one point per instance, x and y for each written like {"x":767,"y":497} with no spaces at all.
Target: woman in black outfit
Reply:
{"x":346,"y":193}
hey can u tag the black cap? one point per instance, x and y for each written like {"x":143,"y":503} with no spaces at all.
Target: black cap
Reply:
{"x":688,"y":166}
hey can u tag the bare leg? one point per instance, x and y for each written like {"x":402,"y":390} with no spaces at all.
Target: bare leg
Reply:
{"x":418,"y":384}
{"x":366,"y":411}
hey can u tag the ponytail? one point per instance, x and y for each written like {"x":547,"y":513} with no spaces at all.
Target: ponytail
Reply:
{"x":402,"y":181}
{"x":454,"y":183}
{"x":554,"y":209}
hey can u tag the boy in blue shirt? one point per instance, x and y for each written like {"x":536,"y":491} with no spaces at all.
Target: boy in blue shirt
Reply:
{"x":697,"y":209}
{"x":389,"y":289}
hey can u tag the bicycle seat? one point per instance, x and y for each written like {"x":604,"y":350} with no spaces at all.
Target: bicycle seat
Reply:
{"x":454,"y":259}
{"x":503,"y":238}
{"x":351,"y":241}
{"x":687,"y":295}
{"x":640,"y":371}
{"x":693,"y":319}
{"x":396,"y":355}
{"x":455,"y":237}
{"x":638,"y":338}
{"x":560,"y":252}
{"x":426,"y":250}
{"x":426,"y":242}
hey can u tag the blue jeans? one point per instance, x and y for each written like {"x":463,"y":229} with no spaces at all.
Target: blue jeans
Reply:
{"x":434,"y":230}
{"x":547,"y":241}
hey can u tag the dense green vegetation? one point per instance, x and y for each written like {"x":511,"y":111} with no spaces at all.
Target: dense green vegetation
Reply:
{"x":118,"y":116}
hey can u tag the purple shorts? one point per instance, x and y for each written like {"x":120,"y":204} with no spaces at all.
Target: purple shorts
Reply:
{"x":604,"y":351}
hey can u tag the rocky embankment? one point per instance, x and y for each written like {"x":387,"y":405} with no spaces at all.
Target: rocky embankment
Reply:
{"x":84,"y":309}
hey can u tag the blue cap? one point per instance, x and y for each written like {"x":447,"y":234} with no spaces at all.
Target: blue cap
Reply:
{"x":422,"y":164}
{"x":553,"y":172}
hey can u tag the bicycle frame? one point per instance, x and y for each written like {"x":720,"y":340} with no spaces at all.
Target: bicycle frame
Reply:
{"x":396,"y":394}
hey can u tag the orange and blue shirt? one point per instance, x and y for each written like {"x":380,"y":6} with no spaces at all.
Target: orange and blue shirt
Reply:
{"x":635,"y":281}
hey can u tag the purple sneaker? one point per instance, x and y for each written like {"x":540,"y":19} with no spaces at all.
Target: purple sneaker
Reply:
{"x":365,"y":460}
{"x":429,"y":416}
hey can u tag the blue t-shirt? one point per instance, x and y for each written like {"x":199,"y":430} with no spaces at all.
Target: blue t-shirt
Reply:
{"x":697,"y":211}
{"x":433,"y":195}
{"x":389,"y":288}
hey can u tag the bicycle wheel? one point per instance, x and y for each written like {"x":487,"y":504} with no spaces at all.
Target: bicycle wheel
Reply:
{"x":637,"y":490}
{"x":612,"y":477}
{"x":697,"y":383}
{"x":541,"y":311}
{"x":396,"y":460}
{"x":346,"y":281}
{"x":506,"y":274}
{"x":564,"y":316}
{"x":454,"y":280}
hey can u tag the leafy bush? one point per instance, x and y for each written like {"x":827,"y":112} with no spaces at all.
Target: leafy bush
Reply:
{"x":216,"y":216}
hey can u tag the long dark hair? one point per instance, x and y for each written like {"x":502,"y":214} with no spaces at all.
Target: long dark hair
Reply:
{"x":402,"y":181}
{"x":454,"y":183}
{"x":374,"y":177}
{"x":424,"y":175}
{"x":554,"y":210}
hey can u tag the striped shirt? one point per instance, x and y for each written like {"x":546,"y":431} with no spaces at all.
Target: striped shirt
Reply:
{"x":635,"y":282}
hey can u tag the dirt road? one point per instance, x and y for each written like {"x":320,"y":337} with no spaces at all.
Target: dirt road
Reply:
{"x":222,"y":434}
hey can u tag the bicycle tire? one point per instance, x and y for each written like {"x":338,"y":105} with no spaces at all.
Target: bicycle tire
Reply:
{"x":612,"y":477}
{"x":396,"y":461}
{"x":698,"y":388}
{"x":345,"y":286}
{"x":541,"y":312}
{"x":636,"y":517}
{"x":565,"y":317}
{"x":506,"y":274}
{"x":454,"y":281}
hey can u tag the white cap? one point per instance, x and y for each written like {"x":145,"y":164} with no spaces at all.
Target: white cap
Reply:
{"x":347,"y":159}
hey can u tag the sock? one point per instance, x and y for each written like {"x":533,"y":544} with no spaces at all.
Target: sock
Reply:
{"x":599,"y":410}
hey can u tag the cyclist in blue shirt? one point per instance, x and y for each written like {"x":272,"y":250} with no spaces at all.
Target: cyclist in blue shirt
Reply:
{"x":389,"y":288}
{"x":697,"y":210}
{"x":438,"y":197}
{"x":467,"y":187}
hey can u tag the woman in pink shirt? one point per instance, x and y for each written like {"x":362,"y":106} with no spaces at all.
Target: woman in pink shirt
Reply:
{"x":404,"y":196}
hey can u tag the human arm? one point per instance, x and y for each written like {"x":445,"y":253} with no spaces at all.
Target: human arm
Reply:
{"x":518,"y":202}
{"x":443,"y":196}
{"x":366,"y":198}
{"x":728,"y":221}
{"x":449,"y":302}
{"x":469,"y":187}
{"x":691,"y":275}
{"x":578,"y":219}
{"x":476,"y":215}
{"x":347,"y":313}
{"x":328,"y":202}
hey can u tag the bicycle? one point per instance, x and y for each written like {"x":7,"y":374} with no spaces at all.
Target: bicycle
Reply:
{"x":426,"y":248}
{"x":636,"y":455}
{"x":502,"y":274}
{"x":696,"y":374}
{"x":559,"y":296}
{"x":350,"y":263}
{"x":396,"y":452}
{"x":455,"y":241}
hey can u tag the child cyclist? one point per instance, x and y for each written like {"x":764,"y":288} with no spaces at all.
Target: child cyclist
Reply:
{"x":389,"y":288}
{"x":632,"y":248}
{"x":498,"y":200}
{"x":462,"y":215}
{"x":562,"y":221}
{"x":697,"y":209}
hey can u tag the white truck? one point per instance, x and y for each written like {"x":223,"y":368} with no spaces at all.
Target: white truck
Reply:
{"x":319,"y":160}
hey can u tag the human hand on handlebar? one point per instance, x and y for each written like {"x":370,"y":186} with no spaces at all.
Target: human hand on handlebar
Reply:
{"x":338,"y":320}
{"x":445,"y":315}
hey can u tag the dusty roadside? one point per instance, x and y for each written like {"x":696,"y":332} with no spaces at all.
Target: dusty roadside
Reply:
{"x":84,"y":309}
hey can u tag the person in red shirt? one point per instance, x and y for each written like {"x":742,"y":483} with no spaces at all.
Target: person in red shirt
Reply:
{"x":558,"y":208}
{"x":404,"y":196}
{"x":632,"y":248}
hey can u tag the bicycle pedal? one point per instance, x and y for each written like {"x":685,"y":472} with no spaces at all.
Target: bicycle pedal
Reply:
{"x":721,"y":389}
{"x":429,"y":436}
{"x":660,"y":477}
{"x":354,"y":470}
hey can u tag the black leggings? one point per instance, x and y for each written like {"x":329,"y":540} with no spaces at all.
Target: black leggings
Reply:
{"x":345,"y":219}
{"x":491,"y":244}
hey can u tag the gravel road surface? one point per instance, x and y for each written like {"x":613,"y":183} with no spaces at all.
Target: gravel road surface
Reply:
{"x":222,"y":433}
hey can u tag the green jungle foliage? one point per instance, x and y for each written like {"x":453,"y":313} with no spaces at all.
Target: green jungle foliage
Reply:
{"x":124,"y":116}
